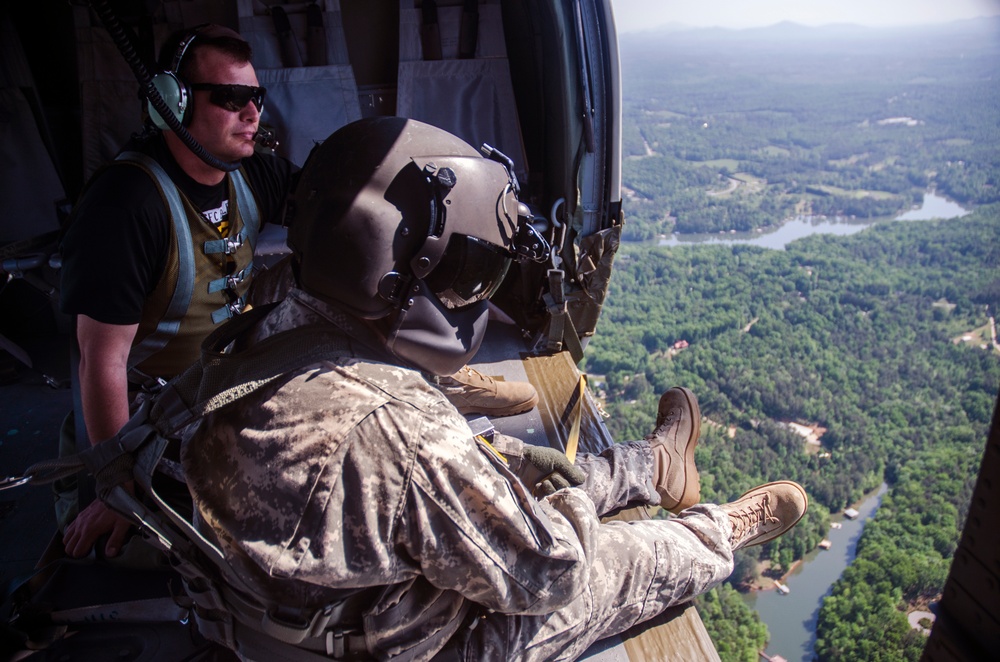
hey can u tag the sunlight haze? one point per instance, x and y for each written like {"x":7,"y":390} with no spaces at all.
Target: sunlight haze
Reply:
{"x":638,"y":15}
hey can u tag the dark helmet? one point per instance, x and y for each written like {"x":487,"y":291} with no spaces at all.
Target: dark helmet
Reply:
{"x":399,"y":220}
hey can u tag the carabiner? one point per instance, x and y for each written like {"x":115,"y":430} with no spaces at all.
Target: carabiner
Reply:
{"x":13,"y":481}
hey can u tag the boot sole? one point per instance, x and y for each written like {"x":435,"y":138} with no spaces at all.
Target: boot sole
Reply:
{"x":510,"y":410}
{"x":692,"y":480}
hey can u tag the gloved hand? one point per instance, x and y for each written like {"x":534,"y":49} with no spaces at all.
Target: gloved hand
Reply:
{"x":542,"y":469}
{"x":550,"y":470}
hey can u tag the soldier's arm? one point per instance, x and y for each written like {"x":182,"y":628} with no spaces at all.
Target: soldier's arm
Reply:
{"x":104,"y":352}
{"x":104,"y":391}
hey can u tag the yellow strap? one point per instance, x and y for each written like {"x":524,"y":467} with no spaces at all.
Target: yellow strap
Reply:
{"x":573,"y":438}
{"x":491,"y":448}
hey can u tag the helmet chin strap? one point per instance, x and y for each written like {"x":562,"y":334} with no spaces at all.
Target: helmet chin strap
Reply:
{"x":432,"y":338}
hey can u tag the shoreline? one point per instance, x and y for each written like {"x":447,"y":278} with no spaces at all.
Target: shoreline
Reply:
{"x":755,"y":586}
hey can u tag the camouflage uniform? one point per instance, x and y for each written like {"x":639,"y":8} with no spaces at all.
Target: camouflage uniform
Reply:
{"x":352,"y":473}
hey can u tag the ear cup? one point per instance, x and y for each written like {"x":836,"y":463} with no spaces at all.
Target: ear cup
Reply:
{"x":175,"y":95}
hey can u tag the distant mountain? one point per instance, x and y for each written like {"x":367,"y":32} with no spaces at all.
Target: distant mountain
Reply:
{"x":791,"y":32}
{"x":982,"y":33}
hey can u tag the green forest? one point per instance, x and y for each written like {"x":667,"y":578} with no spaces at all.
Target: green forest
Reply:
{"x":739,"y":131}
{"x":880,"y":339}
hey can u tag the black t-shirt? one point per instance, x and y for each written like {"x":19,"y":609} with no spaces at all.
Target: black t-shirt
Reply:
{"x":118,"y":239}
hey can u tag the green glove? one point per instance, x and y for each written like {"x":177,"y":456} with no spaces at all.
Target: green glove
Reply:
{"x":550,"y":470}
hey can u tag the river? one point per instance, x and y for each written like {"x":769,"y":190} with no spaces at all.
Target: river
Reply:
{"x":791,"y":619}
{"x":932,"y":207}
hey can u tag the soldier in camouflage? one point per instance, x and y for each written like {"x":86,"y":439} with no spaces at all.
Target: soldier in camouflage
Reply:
{"x":356,"y":477}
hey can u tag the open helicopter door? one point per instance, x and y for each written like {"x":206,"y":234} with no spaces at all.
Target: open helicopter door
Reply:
{"x":561,"y":81}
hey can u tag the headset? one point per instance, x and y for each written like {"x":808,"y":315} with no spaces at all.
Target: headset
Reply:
{"x":172,"y":89}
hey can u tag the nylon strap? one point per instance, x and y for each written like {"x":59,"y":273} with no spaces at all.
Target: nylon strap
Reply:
{"x":170,"y":324}
{"x":290,"y":56}
{"x":573,"y":438}
{"x":562,"y":331}
{"x":315,"y":36}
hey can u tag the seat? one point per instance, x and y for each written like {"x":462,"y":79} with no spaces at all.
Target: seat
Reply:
{"x":301,"y":57}
{"x":454,"y":73}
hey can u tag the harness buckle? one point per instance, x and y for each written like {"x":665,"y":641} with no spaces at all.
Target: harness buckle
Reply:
{"x":233,"y":244}
{"x":235,"y":308}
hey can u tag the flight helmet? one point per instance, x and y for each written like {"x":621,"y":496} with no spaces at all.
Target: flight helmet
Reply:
{"x":397,"y":220}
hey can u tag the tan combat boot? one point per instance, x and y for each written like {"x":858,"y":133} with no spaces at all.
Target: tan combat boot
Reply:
{"x":678,"y":424}
{"x":475,"y":393}
{"x":765,"y":512}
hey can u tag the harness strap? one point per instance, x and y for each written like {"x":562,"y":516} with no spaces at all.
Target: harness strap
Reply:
{"x":230,"y":281}
{"x":230,"y":310}
{"x":250,"y":214}
{"x":170,"y":324}
{"x":217,"y":590}
{"x":562,"y":331}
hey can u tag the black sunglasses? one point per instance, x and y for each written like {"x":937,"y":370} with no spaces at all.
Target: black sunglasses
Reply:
{"x":233,"y":97}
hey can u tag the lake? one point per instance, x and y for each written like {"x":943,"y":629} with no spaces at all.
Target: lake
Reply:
{"x":933,"y":207}
{"x":791,"y":619}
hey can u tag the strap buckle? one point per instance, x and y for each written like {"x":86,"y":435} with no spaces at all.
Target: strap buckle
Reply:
{"x":336,"y":642}
{"x":233,"y":244}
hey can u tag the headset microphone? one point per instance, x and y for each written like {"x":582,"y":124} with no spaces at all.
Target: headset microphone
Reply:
{"x":265,"y":138}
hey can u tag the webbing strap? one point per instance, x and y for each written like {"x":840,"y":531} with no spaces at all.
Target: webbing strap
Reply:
{"x":231,"y":281}
{"x":290,"y":56}
{"x":216,"y":380}
{"x":468,"y":34}
{"x":562,"y":331}
{"x":315,"y":36}
{"x":170,"y":324}
{"x":250,"y":215}
{"x":573,"y":437}
{"x":230,"y":310}
{"x":430,"y":31}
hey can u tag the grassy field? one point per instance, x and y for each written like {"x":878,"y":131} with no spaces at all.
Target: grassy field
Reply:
{"x":861,"y":193}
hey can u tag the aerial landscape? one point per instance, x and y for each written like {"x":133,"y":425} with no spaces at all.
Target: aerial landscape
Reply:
{"x":798,"y":220}
{"x":847,"y":363}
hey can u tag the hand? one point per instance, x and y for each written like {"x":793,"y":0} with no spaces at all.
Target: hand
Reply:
{"x":554,"y":469}
{"x":93,"y":522}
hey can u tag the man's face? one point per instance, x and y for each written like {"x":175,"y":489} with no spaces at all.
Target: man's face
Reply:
{"x":226,"y":134}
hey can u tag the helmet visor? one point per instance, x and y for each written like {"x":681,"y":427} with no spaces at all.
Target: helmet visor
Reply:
{"x":470,"y":271}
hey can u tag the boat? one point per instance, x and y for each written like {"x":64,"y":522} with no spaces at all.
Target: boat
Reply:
{"x":851,"y":513}
{"x":782,"y":588}
{"x":825,"y":544}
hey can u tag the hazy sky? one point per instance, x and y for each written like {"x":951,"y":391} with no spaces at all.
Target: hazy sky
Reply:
{"x":634,"y":15}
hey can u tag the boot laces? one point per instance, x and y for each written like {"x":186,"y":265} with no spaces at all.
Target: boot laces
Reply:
{"x":475,"y":375}
{"x":673,"y":416}
{"x":750,"y":518}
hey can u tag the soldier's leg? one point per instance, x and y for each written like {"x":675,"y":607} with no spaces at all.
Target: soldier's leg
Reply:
{"x":663,"y":462}
{"x":620,"y":476}
{"x":638,"y":570}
